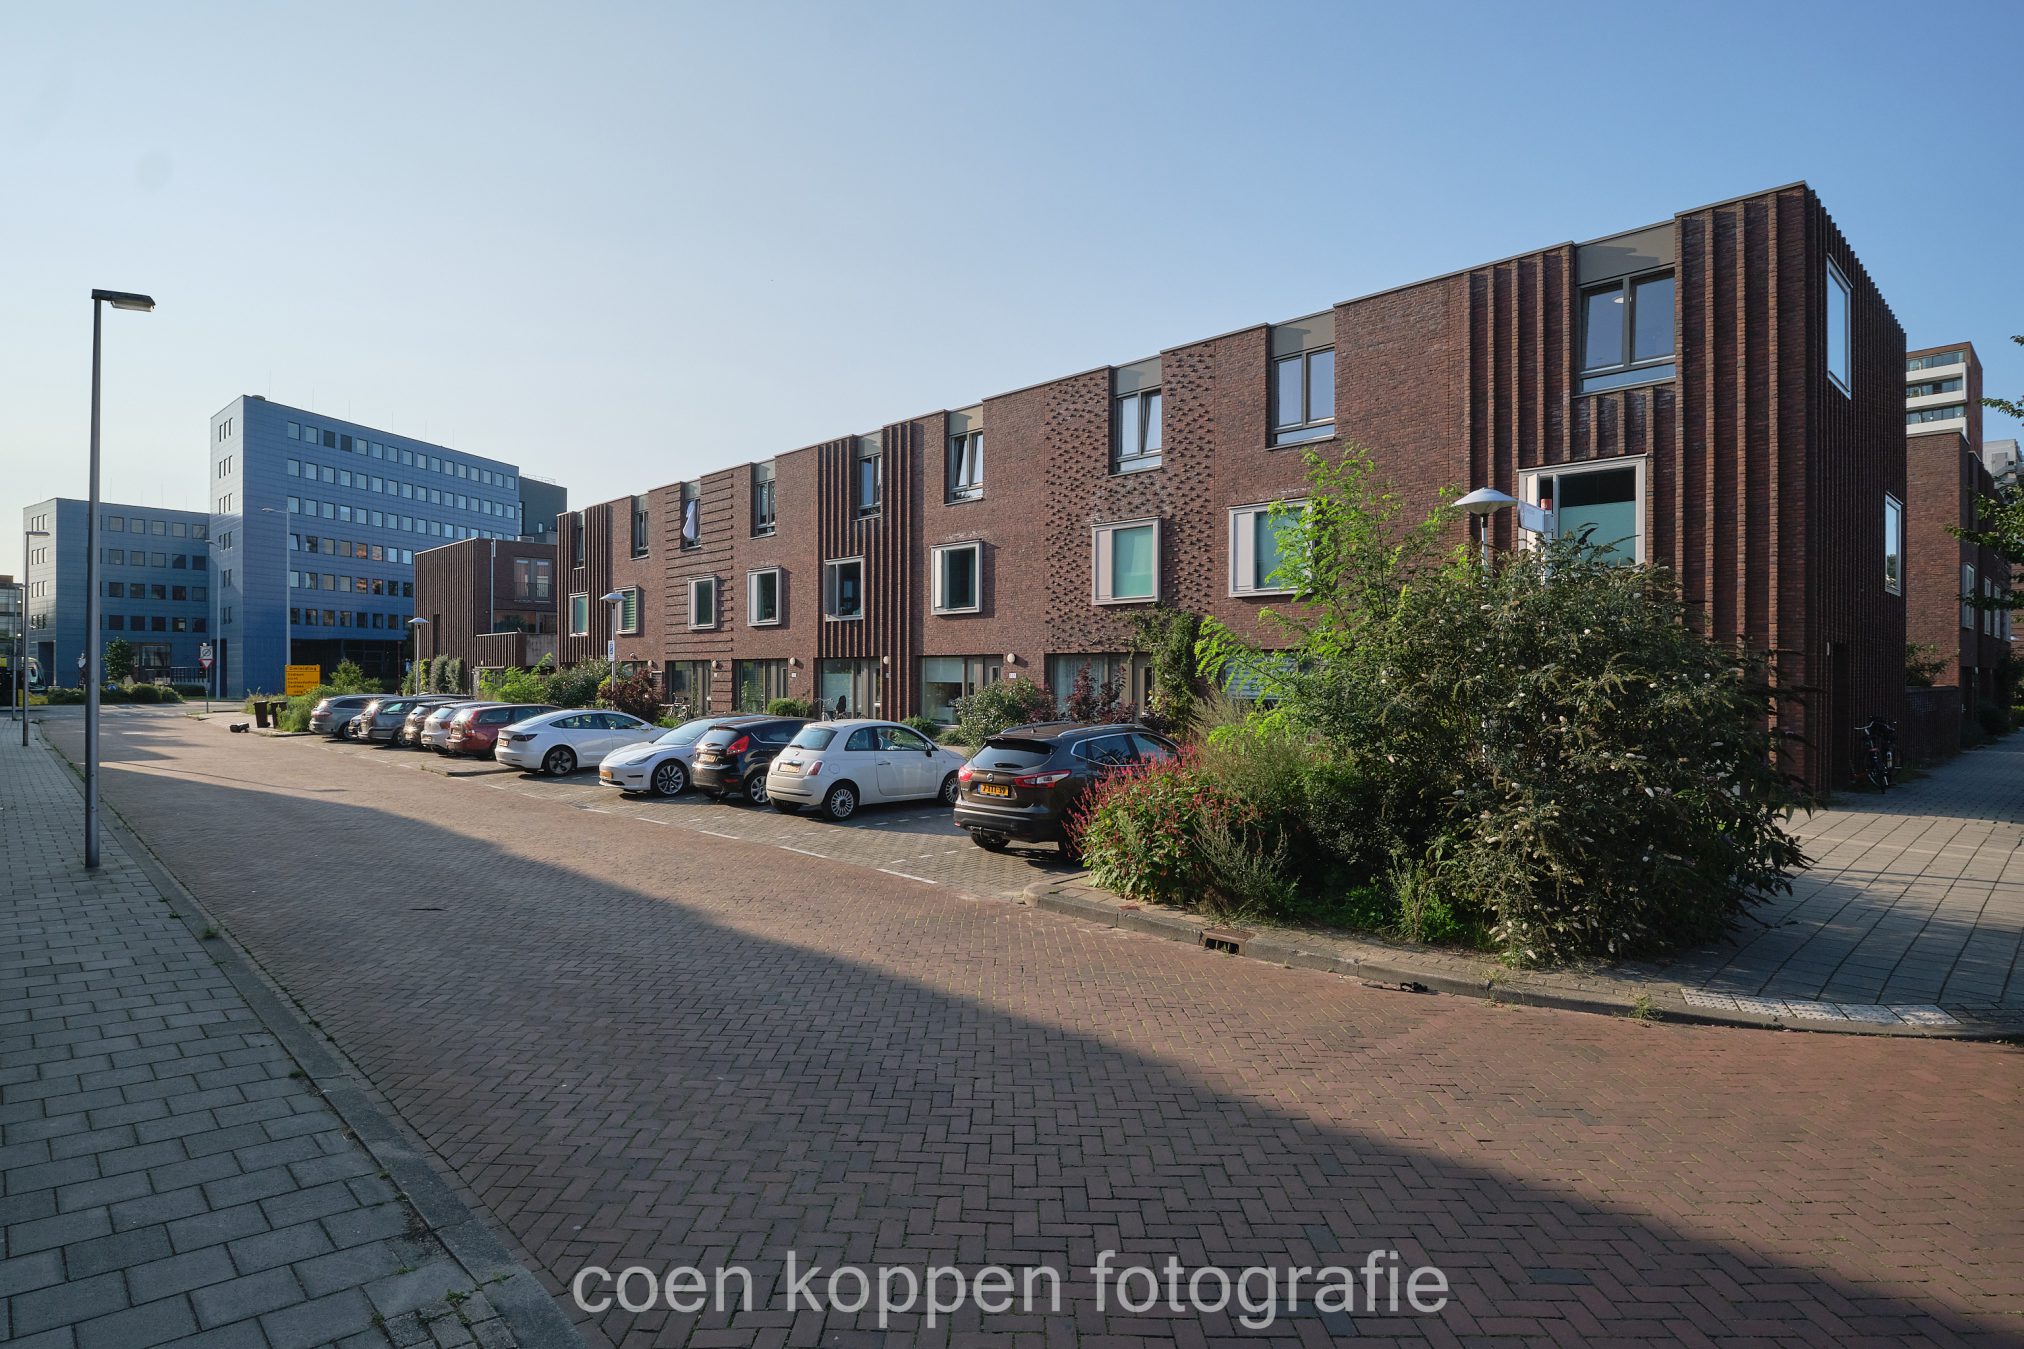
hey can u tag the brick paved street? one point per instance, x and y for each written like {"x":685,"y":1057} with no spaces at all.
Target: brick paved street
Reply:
{"x":650,"y":1045}
{"x":169,"y":1175}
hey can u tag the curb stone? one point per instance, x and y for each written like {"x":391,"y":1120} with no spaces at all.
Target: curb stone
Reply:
{"x":1078,"y":897}
{"x":532,"y":1315}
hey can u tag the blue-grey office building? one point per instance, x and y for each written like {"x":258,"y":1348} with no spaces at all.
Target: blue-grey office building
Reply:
{"x":315,"y":523}
{"x":155,"y":573}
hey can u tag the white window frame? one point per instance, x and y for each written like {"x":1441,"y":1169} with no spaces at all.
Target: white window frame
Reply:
{"x":975,"y":548}
{"x":1101,"y":555}
{"x":1967,"y":591}
{"x":830,"y":570}
{"x":1893,"y":540}
{"x":574,"y":596}
{"x":752,"y":619}
{"x":1836,"y":277}
{"x":631,"y":604}
{"x":1243,"y":564}
{"x":1528,"y":490}
{"x":716,"y":603}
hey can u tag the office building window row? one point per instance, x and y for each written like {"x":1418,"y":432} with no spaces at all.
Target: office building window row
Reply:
{"x":347,"y":618}
{"x":139,"y":557}
{"x":360,"y":515}
{"x":160,"y":529}
{"x":358,"y":585}
{"x":407,"y":458}
{"x":364,"y":552}
{"x":156,"y":623}
{"x":407,"y":491}
{"x":143,"y":590}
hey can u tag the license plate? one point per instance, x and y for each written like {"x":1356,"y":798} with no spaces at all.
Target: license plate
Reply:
{"x":789,"y":767}
{"x":605,"y":775}
{"x":993,"y":789}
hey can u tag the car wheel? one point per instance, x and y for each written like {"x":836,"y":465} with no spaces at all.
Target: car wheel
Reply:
{"x":670,"y":778}
{"x":786,"y":807}
{"x":949,"y":789}
{"x":841,"y":803}
{"x":560,"y":762}
{"x":988,"y":841}
{"x":755,"y":787}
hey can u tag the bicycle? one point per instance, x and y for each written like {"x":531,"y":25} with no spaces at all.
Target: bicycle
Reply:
{"x":1879,"y":752}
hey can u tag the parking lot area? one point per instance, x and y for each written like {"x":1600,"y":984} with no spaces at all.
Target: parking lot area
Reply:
{"x":914,"y":841}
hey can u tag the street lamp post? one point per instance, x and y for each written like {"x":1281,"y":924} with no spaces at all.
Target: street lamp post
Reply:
{"x":415,"y":625}
{"x":1481,"y":504}
{"x":21,"y":631}
{"x":93,"y":618}
{"x":614,"y":599}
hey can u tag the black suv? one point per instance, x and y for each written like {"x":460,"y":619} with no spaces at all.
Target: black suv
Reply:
{"x":732,"y":756}
{"x":1024,"y":783}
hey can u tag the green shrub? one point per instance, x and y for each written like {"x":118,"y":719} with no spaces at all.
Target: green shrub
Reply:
{"x":577,"y":686}
{"x":789,"y":707}
{"x":927,"y":726}
{"x":634,"y":694}
{"x":514,"y":686}
{"x":1140,"y":829}
{"x":1992,"y":719}
{"x":143,"y":693}
{"x":992,"y":708}
{"x":63,"y":695}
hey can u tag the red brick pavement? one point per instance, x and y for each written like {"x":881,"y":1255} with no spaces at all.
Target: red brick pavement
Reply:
{"x":645,"y":1046}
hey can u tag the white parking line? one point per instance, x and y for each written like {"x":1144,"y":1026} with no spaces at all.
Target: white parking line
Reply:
{"x":907,"y":876}
{"x":806,"y":853}
{"x":714,"y":834}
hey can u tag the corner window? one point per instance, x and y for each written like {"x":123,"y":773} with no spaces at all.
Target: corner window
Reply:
{"x":1627,"y":332}
{"x":1135,"y":431}
{"x":1303,"y":397}
{"x":1260,"y":539}
{"x":958,"y":575}
{"x":641,"y":526}
{"x":762,"y":597}
{"x":692,"y":515}
{"x":870,"y":470}
{"x":1893,"y":545}
{"x":629,"y":612}
{"x":843,"y":588}
{"x":703,"y":602}
{"x":1602,"y":504}
{"x":1838,"y":330}
{"x":579,"y":614}
{"x":763,"y":501}
{"x":966,"y":466}
{"x":1127,"y":562}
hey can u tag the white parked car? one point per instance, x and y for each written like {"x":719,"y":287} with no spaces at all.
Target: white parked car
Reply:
{"x":660,"y":766}
{"x":840,"y":765}
{"x":557,"y":743}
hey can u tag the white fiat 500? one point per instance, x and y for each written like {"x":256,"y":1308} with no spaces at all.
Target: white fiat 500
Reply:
{"x":840,"y":765}
{"x":558,"y":743}
{"x":660,"y":766}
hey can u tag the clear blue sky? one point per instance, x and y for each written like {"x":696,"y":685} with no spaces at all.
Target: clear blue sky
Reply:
{"x":621,"y":243}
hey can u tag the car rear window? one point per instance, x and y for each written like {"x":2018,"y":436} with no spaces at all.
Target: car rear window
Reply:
{"x":688,"y":733}
{"x":1012,"y":753}
{"x":815,"y":737}
{"x":720,"y":737}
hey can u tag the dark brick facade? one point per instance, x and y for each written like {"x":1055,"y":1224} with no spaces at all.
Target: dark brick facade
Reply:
{"x":1763,"y":482}
{"x":470,"y":594}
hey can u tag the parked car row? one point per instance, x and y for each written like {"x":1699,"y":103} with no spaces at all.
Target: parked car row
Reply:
{"x":1021,"y":785}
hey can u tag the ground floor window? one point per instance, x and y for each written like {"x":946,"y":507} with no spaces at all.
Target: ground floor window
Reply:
{"x":689,"y":687}
{"x":755,"y":683}
{"x":1601,"y":503}
{"x":849,"y":688}
{"x":947,"y":678}
{"x":1112,"y":678}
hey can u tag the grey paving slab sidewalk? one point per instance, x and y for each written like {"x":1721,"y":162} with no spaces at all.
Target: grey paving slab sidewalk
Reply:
{"x":168,"y":1174}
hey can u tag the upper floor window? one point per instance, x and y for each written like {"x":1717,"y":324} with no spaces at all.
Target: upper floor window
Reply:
{"x":1135,"y":442}
{"x":870,"y":473}
{"x":1601,"y":504}
{"x":1627,"y":332}
{"x":963,"y":469}
{"x":1948,"y":412}
{"x":1303,"y":396}
{"x":640,"y":526}
{"x":692,"y":515}
{"x":764,"y":503}
{"x":958,"y":570}
{"x":1893,"y":545}
{"x":531,"y":578}
{"x":1968,"y":595}
{"x":1260,"y":538}
{"x":629,"y":611}
{"x":579,"y":614}
{"x":762,"y":597}
{"x":1935,"y":360}
{"x":1127,"y":562}
{"x":703,"y":602}
{"x":843,"y":588}
{"x":1838,"y":321}
{"x":576,"y":542}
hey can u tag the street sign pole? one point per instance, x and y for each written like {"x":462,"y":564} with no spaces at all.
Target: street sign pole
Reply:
{"x":204,"y":659}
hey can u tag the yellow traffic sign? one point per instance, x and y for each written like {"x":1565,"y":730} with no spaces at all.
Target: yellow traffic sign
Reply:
{"x":301,"y":678}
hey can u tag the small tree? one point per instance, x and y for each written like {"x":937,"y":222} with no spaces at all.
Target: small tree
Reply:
{"x":634,"y":694}
{"x":513,"y":686}
{"x":1999,"y":524}
{"x":577,"y":686}
{"x":1167,"y":636}
{"x":119,"y":660}
{"x":994,"y":707}
{"x":1922,"y":664}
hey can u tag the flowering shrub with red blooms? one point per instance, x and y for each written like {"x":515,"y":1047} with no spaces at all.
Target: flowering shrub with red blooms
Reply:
{"x":1140,"y":828}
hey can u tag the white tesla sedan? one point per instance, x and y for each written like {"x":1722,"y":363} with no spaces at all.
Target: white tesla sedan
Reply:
{"x":840,"y":765}
{"x":660,"y":766}
{"x":557,"y":743}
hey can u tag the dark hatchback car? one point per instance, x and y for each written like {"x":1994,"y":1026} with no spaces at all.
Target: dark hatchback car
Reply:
{"x":1024,"y":783}
{"x":733,"y":755}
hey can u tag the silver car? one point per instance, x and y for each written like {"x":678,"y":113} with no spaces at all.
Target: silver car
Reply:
{"x":332,"y":715}
{"x":435,"y":732}
{"x":426,"y":706}
{"x":383,"y":718}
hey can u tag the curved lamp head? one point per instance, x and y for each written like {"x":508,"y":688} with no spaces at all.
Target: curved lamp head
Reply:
{"x":1485,"y":501}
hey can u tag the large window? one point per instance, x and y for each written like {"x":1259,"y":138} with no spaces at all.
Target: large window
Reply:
{"x":692,"y":515}
{"x":689,"y":686}
{"x":1600,"y":504}
{"x":843,"y":588}
{"x":532,"y":578}
{"x":1303,"y":396}
{"x":958,"y":578}
{"x":641,"y":525}
{"x":579,"y":614}
{"x":1893,"y":545}
{"x":755,"y":683}
{"x":1127,"y":562}
{"x":1838,"y":330}
{"x":966,"y":466}
{"x":1135,"y":431}
{"x":763,"y":499}
{"x":1260,"y":539}
{"x":762,"y":597}
{"x":947,"y":678}
{"x":703,"y":602}
{"x":870,"y":460}
{"x":1627,"y":332}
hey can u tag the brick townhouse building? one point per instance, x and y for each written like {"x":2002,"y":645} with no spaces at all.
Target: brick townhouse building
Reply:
{"x":1947,"y":473}
{"x":1720,"y":392}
